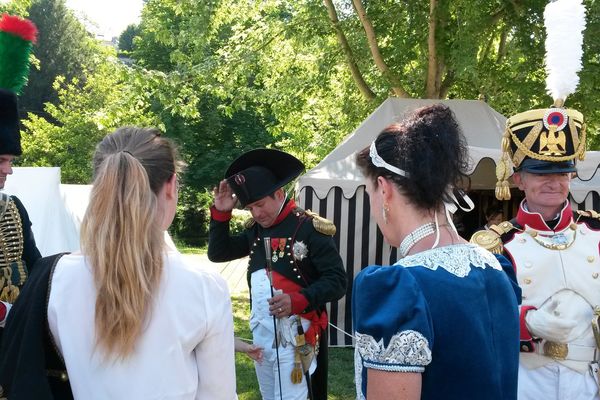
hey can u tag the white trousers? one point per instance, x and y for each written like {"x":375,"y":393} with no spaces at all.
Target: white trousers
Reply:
{"x":266,"y":371}
{"x":556,"y":382}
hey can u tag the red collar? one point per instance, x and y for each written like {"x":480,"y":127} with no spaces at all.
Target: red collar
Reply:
{"x":287,"y":209}
{"x":535,"y":220}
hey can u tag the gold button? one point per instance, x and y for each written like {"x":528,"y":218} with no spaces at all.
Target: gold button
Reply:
{"x":524,"y":348}
{"x":527,"y":281}
{"x":590,"y":259}
{"x":573,"y":226}
{"x":595,"y":275}
{"x":532,"y":233}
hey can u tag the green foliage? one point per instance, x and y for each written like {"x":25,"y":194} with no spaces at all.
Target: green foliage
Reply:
{"x":112,"y":96}
{"x":64,"y":48}
{"x":126,"y":38}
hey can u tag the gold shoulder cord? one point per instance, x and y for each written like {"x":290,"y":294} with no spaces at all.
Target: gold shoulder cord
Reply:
{"x":321,"y":224}
{"x":490,"y":239}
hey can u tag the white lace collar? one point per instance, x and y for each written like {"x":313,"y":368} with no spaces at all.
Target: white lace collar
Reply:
{"x":456,"y":259}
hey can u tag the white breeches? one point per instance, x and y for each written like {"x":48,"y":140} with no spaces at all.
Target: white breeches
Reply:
{"x":556,"y":382}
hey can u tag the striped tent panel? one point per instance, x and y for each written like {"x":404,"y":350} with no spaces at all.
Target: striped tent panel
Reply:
{"x":359,"y":242}
{"x":591,"y":202}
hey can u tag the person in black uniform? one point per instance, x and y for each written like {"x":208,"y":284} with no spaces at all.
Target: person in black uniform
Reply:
{"x":300,"y":263}
{"x":18,"y":251}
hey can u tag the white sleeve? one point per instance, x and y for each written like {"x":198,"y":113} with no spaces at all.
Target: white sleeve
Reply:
{"x":215,"y":356}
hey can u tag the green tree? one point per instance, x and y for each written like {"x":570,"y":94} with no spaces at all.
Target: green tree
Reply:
{"x":64,"y":48}
{"x":112,"y":95}
{"x":126,"y":38}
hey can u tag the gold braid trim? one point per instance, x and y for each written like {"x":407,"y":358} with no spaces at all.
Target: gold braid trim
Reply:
{"x":490,"y":239}
{"x":12,"y":268}
{"x":321,"y":224}
{"x":588,"y":213}
{"x":503,"y":169}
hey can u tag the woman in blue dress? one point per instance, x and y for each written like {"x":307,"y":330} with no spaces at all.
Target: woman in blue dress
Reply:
{"x":442,"y":323}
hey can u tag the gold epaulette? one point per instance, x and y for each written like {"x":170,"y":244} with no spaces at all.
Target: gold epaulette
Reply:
{"x":588,"y":213}
{"x":249,"y":223}
{"x":490,"y":239}
{"x":321,"y":224}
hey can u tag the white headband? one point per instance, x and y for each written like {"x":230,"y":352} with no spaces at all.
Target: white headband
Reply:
{"x":380,"y":162}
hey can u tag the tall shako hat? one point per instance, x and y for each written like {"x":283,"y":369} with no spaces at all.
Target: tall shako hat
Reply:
{"x":17,"y":36}
{"x":260,"y":172}
{"x":545,"y":141}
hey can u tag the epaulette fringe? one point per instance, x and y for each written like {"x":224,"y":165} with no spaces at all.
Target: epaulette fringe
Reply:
{"x":491,"y":239}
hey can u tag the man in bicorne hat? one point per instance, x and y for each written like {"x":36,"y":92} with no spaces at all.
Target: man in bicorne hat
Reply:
{"x":291,"y":279}
{"x":554,"y":250}
{"x":18,"y":251}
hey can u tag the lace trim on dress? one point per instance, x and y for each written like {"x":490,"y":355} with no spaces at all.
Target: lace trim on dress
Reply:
{"x":456,"y":259}
{"x":406,"y":349}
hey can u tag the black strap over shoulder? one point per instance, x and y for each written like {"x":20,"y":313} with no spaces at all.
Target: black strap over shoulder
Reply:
{"x":30,"y":365}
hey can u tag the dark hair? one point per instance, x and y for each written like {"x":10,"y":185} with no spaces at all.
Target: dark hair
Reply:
{"x":430,"y":147}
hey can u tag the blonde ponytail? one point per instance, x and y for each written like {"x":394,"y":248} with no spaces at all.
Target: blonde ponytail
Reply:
{"x":121,"y":235}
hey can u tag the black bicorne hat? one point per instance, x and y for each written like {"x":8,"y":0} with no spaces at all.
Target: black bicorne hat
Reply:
{"x":10,"y":136}
{"x":260,"y":172}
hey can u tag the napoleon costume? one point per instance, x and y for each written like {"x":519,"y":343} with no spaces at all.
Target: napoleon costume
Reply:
{"x":302,"y":261}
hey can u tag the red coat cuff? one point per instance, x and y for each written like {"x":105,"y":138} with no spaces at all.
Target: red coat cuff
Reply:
{"x":299,"y":302}
{"x":2,"y":311}
{"x":527,"y":341}
{"x":221,"y":216}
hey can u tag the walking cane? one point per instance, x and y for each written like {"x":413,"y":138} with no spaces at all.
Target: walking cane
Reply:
{"x":267,"y":241}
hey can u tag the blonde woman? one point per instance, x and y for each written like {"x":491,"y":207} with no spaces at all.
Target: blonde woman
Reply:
{"x":130,"y":318}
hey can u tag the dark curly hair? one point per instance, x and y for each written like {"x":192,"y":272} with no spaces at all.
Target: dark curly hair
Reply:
{"x":430,"y":146}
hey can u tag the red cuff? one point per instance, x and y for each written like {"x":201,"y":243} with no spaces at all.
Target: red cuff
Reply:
{"x":299,"y":302}
{"x":527,"y":345}
{"x":2,"y":311}
{"x":221,"y":216}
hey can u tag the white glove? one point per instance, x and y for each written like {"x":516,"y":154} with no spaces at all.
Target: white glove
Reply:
{"x":547,"y":325}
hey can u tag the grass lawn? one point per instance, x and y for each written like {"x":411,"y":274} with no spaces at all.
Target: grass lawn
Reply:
{"x":341,"y":364}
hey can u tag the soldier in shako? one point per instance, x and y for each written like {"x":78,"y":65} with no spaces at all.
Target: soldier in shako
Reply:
{"x":18,"y":251}
{"x":554,"y":250}
{"x":291,"y":278}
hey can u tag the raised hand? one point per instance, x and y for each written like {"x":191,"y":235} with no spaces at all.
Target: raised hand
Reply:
{"x":223,"y":197}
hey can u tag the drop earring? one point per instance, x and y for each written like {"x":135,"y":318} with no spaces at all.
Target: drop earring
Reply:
{"x":385,"y":209}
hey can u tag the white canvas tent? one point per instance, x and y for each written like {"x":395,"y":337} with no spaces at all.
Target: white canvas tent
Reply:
{"x":55,"y":221}
{"x":55,"y":209}
{"x":335,"y":188}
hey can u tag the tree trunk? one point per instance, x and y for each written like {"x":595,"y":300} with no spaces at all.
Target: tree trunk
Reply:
{"x":374,"y":47}
{"x":354,"y":70}
{"x":432,"y":85}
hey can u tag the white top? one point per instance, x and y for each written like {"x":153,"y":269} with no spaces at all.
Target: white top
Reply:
{"x":185,"y":352}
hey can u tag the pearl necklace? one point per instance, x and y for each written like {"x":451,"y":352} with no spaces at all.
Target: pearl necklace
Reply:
{"x":415,"y":236}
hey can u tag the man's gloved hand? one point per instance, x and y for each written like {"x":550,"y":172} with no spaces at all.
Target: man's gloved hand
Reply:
{"x":546,"y":324}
